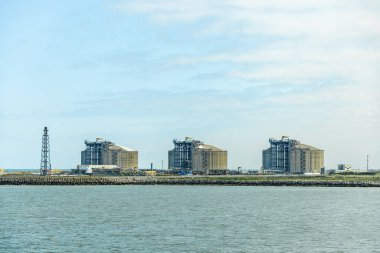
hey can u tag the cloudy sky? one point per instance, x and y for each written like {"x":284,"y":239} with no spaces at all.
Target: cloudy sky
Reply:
{"x":231,"y":73}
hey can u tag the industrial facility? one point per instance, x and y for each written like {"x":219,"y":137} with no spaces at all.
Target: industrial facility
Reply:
{"x":193,"y":156}
{"x":344,"y":167}
{"x":290,"y":156}
{"x":109,"y":155}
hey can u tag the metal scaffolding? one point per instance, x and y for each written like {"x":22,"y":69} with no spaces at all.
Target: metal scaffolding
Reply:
{"x":279,"y":153}
{"x":45,"y":167}
{"x":180,"y":157}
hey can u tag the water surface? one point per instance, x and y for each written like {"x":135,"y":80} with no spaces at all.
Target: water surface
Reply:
{"x":188,"y":219}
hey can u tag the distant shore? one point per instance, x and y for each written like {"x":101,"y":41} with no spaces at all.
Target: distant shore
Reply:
{"x":323,"y":181}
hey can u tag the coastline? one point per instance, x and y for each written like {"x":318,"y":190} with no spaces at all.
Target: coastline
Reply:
{"x":157,"y":180}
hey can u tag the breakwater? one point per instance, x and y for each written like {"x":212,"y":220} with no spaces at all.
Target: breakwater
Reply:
{"x":140,"y":180}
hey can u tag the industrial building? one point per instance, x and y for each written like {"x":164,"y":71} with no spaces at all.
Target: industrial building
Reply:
{"x":194,"y":156}
{"x":290,"y":156}
{"x":344,"y":167}
{"x":208,"y":159}
{"x":102,"y":152}
{"x":97,"y":169}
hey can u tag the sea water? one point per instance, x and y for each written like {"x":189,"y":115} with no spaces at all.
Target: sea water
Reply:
{"x":188,"y":219}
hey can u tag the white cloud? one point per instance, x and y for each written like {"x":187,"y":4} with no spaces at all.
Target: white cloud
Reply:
{"x":288,"y":18}
{"x":305,"y":42}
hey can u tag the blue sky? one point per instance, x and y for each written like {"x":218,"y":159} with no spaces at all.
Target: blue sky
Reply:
{"x":229,"y":73}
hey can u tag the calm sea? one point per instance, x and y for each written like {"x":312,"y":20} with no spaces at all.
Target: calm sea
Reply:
{"x":188,"y":219}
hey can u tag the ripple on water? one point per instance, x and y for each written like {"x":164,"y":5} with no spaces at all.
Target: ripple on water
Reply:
{"x":188,"y":219}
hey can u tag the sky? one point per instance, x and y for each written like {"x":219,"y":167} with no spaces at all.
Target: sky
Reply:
{"x":231,"y":73}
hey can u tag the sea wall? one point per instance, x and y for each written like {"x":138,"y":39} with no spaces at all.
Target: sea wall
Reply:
{"x":139,"y":180}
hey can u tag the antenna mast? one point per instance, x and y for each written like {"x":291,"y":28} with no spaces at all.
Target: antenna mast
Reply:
{"x":45,"y":154}
{"x":367,"y":162}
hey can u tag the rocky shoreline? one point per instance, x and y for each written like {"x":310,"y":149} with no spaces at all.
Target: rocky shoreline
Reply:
{"x":139,"y":180}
